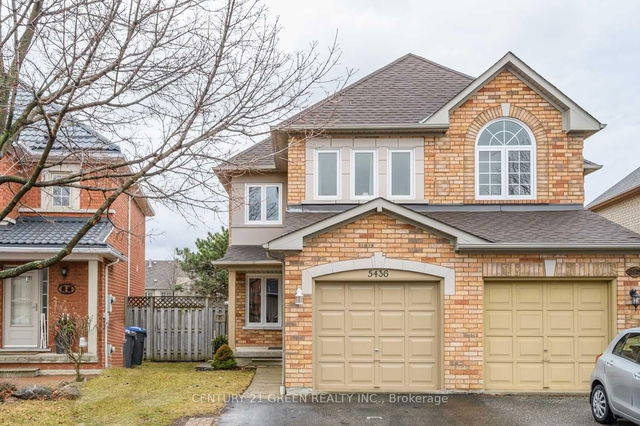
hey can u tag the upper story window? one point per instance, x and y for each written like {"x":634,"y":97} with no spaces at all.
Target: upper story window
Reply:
{"x":264,"y":204}
{"x":505,"y":161}
{"x":363,"y":175}
{"x":59,"y":197}
{"x":327,"y":185}
{"x":401,"y":174}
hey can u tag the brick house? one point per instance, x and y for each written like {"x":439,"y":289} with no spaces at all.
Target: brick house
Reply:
{"x":621,"y":202}
{"x":103,"y":269}
{"x":424,"y":230}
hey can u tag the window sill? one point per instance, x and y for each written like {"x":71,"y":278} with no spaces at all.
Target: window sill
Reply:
{"x":262,"y":327}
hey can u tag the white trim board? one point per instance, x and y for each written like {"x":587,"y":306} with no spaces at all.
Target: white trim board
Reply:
{"x":379,"y":261}
{"x":295,"y":240}
{"x":574,"y":117}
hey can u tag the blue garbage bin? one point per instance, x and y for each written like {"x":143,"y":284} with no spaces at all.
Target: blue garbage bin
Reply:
{"x":138,"y":347}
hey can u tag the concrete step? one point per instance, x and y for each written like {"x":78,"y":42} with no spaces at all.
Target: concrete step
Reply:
{"x":266,"y":361}
{"x":19,"y":372}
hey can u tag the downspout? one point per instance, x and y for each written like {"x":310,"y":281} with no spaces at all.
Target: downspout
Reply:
{"x":129,"y":246}
{"x":107,"y":302}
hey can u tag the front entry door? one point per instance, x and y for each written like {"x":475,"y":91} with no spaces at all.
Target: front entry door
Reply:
{"x":20,"y":320}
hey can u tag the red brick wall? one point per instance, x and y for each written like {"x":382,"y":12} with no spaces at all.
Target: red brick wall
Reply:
{"x":462,"y":312}
{"x":77,"y":302}
{"x":249,"y":338}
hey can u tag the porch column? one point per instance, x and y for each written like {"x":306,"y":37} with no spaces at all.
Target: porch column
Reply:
{"x":231,"y":310}
{"x":92,"y":306}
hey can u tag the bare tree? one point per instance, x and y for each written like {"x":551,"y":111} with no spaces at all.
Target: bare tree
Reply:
{"x":175,"y":84}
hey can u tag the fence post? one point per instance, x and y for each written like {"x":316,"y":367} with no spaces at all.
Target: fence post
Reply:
{"x":151,"y":329}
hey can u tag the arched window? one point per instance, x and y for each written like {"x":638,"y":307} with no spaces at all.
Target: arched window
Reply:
{"x":505,"y":161}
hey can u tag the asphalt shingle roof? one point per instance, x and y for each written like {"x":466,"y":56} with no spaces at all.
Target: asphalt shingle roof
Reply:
{"x":539,"y":227}
{"x":513,"y":227}
{"x":53,"y":231}
{"x":245,"y":254}
{"x":628,"y":183}
{"x":162,"y":274}
{"x":404,"y":92}
{"x":257,"y":156}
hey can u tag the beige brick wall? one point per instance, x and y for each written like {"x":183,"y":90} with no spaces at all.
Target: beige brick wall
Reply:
{"x":625,"y":213}
{"x":449,"y":160}
{"x":296,"y":171}
{"x":462,"y":312}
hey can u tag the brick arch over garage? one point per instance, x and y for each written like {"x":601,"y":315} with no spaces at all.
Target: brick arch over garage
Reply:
{"x":540,"y":132}
{"x":379,"y":261}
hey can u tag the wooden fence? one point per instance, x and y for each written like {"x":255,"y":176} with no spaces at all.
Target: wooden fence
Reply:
{"x":179,"y":328}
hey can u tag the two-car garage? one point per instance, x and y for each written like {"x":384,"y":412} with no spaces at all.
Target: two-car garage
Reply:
{"x":386,"y":336}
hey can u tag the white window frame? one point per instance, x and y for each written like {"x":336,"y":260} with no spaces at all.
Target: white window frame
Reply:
{"x":412,"y":180}
{"x":263,"y":204}
{"x":316,"y":180}
{"x":263,"y":303}
{"x":353,"y":174}
{"x":504,"y":149}
{"x":46,"y":193}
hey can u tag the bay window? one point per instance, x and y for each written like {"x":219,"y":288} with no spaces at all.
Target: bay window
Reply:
{"x":264,"y":203}
{"x":264,"y":297}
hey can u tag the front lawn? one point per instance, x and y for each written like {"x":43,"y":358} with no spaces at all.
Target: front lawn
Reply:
{"x":155,"y":393}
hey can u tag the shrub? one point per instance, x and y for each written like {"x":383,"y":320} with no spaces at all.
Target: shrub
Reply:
{"x":6,"y":389}
{"x":223,"y":358}
{"x":219,"y":341}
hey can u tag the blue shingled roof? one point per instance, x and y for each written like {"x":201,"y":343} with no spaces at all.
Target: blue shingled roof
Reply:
{"x":53,"y":231}
{"x":73,"y":136}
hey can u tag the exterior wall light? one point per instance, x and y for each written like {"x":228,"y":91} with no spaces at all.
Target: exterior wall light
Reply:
{"x":635,"y":298}
{"x":64,"y":271}
{"x":299,"y":297}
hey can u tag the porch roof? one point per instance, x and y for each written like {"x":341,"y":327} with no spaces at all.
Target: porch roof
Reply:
{"x":45,"y":234}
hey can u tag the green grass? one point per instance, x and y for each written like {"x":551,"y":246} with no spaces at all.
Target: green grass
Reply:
{"x":155,"y":393}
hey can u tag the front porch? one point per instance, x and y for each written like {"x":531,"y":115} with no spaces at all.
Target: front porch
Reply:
{"x":31,"y":304}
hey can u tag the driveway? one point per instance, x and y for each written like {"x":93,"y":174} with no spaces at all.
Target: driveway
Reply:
{"x":363,"y":409}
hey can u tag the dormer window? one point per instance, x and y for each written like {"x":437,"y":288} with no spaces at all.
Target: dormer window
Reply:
{"x":505,"y":161}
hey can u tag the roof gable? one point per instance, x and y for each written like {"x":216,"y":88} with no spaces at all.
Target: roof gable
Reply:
{"x":574,"y":117}
{"x":626,"y":185}
{"x":295,"y":240}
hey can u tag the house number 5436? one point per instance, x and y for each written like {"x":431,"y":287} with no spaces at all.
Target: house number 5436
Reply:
{"x":378,"y":273}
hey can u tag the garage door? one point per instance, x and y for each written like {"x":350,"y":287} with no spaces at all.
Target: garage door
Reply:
{"x":376,"y":336}
{"x":544,"y":336}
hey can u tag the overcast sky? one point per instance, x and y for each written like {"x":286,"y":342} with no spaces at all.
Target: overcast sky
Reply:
{"x":588,"y":49}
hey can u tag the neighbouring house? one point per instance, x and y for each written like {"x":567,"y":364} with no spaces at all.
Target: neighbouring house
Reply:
{"x":104,"y":268}
{"x":166,"y":278}
{"x":424,"y":230}
{"x":621,"y":202}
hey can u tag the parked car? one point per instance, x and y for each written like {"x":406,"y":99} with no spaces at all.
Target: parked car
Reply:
{"x":615,"y":381}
